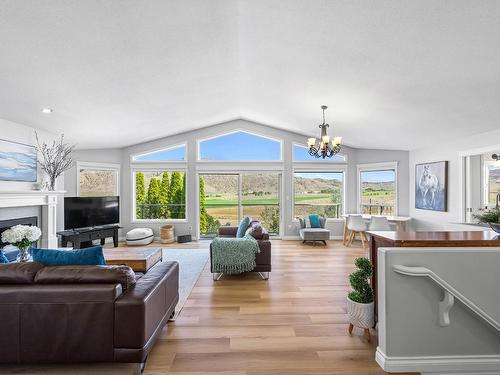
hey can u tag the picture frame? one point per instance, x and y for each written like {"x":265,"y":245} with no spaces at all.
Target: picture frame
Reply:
{"x":431,"y":186}
{"x":18,"y":162}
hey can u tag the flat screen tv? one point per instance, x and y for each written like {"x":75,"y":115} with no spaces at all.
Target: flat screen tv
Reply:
{"x":85,"y":212}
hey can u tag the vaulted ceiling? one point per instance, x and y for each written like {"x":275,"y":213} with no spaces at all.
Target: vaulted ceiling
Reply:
{"x":395,"y":74}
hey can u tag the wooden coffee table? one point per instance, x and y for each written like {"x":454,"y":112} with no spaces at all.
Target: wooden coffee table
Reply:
{"x":139,"y":259}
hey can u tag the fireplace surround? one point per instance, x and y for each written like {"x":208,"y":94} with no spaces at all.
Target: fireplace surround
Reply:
{"x":47,"y":200}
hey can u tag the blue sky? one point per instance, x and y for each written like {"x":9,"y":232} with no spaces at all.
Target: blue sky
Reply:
{"x":240,"y":146}
{"x":378,"y":176}
{"x":171,"y":154}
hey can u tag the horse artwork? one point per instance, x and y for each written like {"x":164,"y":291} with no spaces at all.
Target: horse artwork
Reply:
{"x":431,"y":186}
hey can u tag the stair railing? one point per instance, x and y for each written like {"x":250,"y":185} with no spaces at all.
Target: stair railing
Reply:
{"x":450,"y":293}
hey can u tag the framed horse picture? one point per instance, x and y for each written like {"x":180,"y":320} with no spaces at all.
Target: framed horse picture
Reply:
{"x":431,"y":186}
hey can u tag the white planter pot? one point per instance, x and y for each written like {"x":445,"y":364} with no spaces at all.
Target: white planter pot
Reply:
{"x":360,"y":314}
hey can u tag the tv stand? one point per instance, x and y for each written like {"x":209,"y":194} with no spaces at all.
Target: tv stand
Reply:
{"x":83,"y":237}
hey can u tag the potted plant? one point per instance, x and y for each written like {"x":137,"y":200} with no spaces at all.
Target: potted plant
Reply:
{"x":490,"y":217}
{"x":22,"y":236}
{"x":360,"y":300}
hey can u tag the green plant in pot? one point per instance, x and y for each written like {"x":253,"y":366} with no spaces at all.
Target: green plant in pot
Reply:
{"x":491,"y":217}
{"x":360,"y":306}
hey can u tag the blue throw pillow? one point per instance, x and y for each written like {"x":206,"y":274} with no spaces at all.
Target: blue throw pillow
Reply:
{"x":3,"y":258}
{"x":314,"y":220}
{"x":91,"y":256}
{"x":244,"y":223}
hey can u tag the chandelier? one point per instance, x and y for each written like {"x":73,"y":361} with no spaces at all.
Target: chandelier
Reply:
{"x":325,"y":148}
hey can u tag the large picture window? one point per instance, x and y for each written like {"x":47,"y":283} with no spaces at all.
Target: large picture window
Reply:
{"x":319,"y":193}
{"x":97,"y":180}
{"x":160,"y":195}
{"x":226,"y":198}
{"x":377,"y":191}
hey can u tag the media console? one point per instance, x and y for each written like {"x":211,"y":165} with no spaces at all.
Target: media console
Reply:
{"x":81,"y":238}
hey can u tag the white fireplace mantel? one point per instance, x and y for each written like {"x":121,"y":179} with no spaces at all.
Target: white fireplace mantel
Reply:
{"x":46,"y":199}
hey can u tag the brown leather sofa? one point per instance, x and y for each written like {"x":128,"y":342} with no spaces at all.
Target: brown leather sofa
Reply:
{"x":262,"y":259}
{"x":80,"y":314}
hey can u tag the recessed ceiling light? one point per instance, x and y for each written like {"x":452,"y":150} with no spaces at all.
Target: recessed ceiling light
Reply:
{"x":47,"y":110}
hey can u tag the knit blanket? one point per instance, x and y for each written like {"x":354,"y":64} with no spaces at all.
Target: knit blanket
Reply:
{"x":234,"y":255}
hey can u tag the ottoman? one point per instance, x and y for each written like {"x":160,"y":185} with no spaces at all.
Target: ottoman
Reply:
{"x":139,"y":236}
{"x":314,"y":234}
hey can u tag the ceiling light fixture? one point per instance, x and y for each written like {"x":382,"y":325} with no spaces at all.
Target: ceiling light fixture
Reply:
{"x":496,"y":158}
{"x":47,"y":110}
{"x":325,"y":148}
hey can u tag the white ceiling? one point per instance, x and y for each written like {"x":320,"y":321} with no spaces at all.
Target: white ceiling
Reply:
{"x":395,"y":74}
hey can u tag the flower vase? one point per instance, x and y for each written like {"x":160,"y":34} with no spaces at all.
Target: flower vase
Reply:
{"x":24,"y":254}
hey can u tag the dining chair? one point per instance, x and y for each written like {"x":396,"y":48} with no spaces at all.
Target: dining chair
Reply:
{"x":379,"y":223}
{"x":356,"y":225}
{"x":346,"y":231}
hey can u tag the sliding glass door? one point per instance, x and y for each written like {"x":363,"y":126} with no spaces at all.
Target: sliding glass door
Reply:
{"x":226,"y":198}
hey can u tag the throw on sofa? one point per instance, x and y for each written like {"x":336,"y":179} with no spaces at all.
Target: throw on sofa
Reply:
{"x":262,"y":259}
{"x":80,"y":314}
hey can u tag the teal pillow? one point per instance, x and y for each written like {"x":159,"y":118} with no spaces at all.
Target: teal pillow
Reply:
{"x":244,"y":223}
{"x":3,"y":258}
{"x":91,"y":256}
{"x":314,"y":220}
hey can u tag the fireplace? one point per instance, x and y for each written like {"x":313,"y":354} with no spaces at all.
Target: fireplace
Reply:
{"x":47,"y":200}
{"x":9,"y":250}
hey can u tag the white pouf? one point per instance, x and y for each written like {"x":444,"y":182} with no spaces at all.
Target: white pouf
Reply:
{"x":139,"y":236}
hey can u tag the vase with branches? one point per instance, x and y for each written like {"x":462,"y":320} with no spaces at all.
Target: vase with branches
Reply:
{"x":55,"y":158}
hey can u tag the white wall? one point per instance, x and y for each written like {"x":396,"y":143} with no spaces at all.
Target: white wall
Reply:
{"x":15,"y":132}
{"x":450,"y":220}
{"x":411,"y":337}
{"x":290,"y":227}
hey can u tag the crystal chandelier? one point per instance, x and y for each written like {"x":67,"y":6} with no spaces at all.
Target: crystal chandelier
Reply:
{"x":325,"y":148}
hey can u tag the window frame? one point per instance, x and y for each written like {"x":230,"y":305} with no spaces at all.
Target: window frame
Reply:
{"x":379,"y":167}
{"x":157,"y":167}
{"x":326,"y":161}
{"x":238,"y":130}
{"x":133,"y":157}
{"x":486,"y":181}
{"x":115,"y":167}
{"x":239,"y":173}
{"x":340,"y":169}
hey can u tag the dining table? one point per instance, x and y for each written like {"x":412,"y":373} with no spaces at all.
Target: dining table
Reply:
{"x":401,"y":222}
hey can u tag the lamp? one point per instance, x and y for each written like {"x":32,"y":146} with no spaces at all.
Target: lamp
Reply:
{"x":326,"y":148}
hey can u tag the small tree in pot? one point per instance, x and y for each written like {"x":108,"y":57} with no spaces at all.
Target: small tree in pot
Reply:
{"x":360,"y":299}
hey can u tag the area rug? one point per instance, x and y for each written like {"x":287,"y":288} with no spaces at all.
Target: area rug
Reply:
{"x":191,"y":265}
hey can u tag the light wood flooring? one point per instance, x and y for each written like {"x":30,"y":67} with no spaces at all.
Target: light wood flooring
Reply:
{"x":294,"y":323}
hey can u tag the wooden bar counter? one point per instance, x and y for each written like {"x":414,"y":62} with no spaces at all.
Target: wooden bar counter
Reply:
{"x":427,"y":239}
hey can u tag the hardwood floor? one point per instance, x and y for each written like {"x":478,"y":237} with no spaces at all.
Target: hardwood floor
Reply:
{"x":294,"y":323}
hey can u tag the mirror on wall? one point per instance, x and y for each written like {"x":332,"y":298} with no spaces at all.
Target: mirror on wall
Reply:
{"x":482,"y":183}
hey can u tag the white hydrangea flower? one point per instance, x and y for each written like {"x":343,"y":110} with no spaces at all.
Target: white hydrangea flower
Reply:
{"x":19,"y":233}
{"x":33,"y":233}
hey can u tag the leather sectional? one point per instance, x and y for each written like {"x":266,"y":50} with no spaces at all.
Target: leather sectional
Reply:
{"x":79,"y":314}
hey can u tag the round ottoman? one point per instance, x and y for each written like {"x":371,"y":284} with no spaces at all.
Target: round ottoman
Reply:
{"x":139,"y":236}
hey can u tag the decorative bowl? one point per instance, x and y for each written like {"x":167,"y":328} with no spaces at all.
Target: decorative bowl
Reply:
{"x":495,"y":227}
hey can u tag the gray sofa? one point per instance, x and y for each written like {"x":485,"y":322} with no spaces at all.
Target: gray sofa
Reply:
{"x":308,"y":234}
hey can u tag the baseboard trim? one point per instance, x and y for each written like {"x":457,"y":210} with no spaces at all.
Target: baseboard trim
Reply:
{"x":297,"y":238}
{"x":437,"y":365}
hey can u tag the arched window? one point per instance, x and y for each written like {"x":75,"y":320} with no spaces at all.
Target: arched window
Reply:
{"x":301,"y":153}
{"x":176,"y":153}
{"x":240,"y":146}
